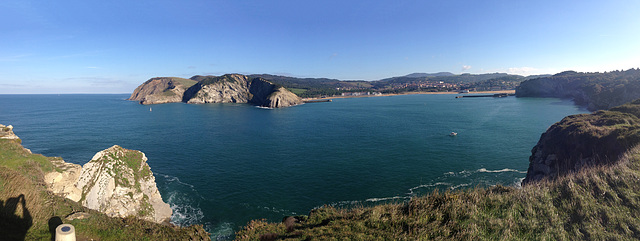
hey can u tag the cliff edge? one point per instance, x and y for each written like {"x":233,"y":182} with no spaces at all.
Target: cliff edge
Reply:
{"x":585,"y":140}
{"x":117,"y":182}
{"x":29,"y":207}
{"x":6,"y":132}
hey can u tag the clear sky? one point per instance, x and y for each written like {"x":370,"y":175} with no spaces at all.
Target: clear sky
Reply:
{"x":113,"y":46}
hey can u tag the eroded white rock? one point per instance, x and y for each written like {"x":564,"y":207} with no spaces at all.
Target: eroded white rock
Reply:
{"x":117,"y":182}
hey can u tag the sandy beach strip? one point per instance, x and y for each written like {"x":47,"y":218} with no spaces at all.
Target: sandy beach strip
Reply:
{"x":417,"y":93}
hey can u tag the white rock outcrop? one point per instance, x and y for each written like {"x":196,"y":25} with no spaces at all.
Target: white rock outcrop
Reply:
{"x":6,"y":132}
{"x":117,"y":182}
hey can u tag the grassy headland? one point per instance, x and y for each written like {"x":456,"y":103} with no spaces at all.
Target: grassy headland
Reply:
{"x":600,"y":203}
{"x":29,"y":212}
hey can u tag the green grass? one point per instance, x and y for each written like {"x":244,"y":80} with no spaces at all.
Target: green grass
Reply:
{"x":27,"y":209}
{"x":14,"y":156}
{"x":297,"y":91}
{"x":182,"y":81}
{"x":598,"y":204}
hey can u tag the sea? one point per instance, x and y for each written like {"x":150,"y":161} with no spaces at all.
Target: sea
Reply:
{"x":222,"y":165}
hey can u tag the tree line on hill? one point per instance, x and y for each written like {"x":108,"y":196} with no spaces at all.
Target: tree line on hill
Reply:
{"x":443,"y":81}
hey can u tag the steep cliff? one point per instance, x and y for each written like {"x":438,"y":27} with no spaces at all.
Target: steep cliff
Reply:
{"x":117,"y":182}
{"x":29,"y":207}
{"x":236,"y":88}
{"x":585,"y":140}
{"x":161,"y":90}
{"x":273,"y":96}
{"x":595,"y":91}
{"x":230,"y":88}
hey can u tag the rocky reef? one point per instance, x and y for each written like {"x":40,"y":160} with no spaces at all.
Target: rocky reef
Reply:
{"x":117,"y":182}
{"x":595,"y":91}
{"x":230,"y":88}
{"x":585,"y":140}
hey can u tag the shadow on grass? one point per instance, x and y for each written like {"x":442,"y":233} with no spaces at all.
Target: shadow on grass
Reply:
{"x":14,"y":226}
{"x":53,"y":224}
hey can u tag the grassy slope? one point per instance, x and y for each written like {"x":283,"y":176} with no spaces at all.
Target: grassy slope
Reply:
{"x":597,"y":203}
{"x":600,"y":204}
{"x":27,"y":209}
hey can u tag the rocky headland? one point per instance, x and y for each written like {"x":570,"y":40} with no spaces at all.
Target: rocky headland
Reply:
{"x":585,"y":140}
{"x":112,"y":197}
{"x":161,"y":90}
{"x":117,"y":182}
{"x":230,"y":88}
{"x":595,"y":91}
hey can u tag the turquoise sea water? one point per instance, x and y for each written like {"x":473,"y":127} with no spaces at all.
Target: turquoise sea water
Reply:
{"x":222,"y":165}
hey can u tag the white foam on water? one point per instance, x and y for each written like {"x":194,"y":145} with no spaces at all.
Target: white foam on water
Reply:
{"x":224,"y":231}
{"x":385,"y":199}
{"x":427,"y":186}
{"x":460,"y":185}
{"x":498,"y":171}
{"x":186,"y":210}
{"x":518,"y":182}
{"x":185,"y":215}
{"x":277,"y":210}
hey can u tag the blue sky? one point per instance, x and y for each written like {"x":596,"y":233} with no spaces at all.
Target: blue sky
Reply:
{"x":113,"y":46}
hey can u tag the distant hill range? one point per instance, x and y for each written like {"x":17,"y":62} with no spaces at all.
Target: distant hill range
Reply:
{"x":173,"y":89}
{"x":595,"y":91}
{"x":427,"y":82}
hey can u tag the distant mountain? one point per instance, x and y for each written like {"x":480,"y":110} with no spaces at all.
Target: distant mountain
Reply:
{"x":537,"y":76}
{"x":419,"y":75}
{"x":448,"y":77}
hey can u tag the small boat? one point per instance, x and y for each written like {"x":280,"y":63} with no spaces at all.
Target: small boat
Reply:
{"x":453,"y":134}
{"x":150,"y":109}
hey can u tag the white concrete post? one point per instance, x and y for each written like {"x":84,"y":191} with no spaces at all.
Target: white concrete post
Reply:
{"x":65,"y":232}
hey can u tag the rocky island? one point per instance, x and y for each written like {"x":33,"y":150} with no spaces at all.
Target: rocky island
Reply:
{"x":230,"y":88}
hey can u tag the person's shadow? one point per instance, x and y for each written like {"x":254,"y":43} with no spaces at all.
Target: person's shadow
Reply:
{"x":12,"y":226}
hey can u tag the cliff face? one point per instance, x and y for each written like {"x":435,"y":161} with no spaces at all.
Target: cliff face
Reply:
{"x":117,"y":182}
{"x":269,"y":95}
{"x":595,"y":91}
{"x":161,"y":90}
{"x":231,"y":88}
{"x":585,"y":140}
{"x":235,"y":88}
